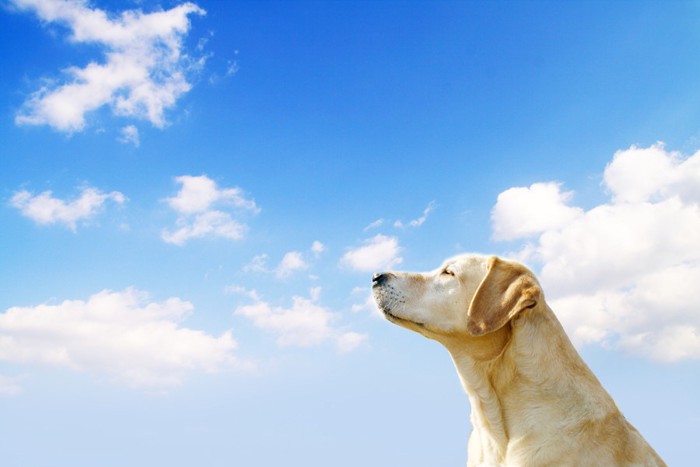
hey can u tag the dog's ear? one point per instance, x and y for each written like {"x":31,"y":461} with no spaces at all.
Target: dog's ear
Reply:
{"x":507,"y":289}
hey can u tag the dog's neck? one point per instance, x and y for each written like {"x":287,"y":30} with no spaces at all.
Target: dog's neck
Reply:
{"x":487,"y":369}
{"x":474,"y":359}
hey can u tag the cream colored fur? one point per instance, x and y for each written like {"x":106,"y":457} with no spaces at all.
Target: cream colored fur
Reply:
{"x":534,"y":401}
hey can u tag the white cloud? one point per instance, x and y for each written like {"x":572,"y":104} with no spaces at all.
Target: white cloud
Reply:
{"x":294,"y":261}
{"x":45,"y":209}
{"x":650,"y":174}
{"x":623,"y":274}
{"x":317,"y":248}
{"x":523,"y":212}
{"x":291,"y":262}
{"x":123,"y":335}
{"x":257,"y":264}
{"x":199,"y":193}
{"x":143,"y":72}
{"x":197,"y":217}
{"x":304,"y":324}
{"x":376,"y":224}
{"x":377,"y":253}
{"x":210,"y":223}
{"x":130,"y":135}
{"x":416,"y":222}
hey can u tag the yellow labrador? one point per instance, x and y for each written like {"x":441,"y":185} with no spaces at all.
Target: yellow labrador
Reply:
{"x":534,"y":401}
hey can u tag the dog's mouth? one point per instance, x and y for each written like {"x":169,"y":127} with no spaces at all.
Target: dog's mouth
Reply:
{"x":398,"y":320}
{"x":389,"y":315}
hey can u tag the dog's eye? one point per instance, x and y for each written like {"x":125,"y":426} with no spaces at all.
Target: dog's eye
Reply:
{"x":447,"y":272}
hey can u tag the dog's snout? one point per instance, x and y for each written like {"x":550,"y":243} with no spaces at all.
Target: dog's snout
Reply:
{"x":380,"y":278}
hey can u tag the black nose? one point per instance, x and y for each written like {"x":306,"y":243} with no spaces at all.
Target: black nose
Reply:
{"x":379,"y":278}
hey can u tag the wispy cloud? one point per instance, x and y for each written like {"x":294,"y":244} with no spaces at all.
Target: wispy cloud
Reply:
{"x":399,"y":224}
{"x":377,"y":253}
{"x":123,"y":335}
{"x":304,"y":324}
{"x":144,"y":70}
{"x":197,"y":216}
{"x":418,"y":221}
{"x":236,"y":289}
{"x":44,"y":208}
{"x":130,"y":135}
{"x":374,"y":225}
{"x":257,"y":264}
{"x":624,"y":273}
{"x":292,"y":262}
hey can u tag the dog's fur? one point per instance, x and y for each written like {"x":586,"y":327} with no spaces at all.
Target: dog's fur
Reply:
{"x":534,"y":401}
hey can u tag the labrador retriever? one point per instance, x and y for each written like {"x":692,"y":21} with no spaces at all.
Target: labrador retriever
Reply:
{"x":534,"y":401}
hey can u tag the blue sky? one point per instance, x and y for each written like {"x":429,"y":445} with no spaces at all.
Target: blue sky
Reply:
{"x":195,"y":196}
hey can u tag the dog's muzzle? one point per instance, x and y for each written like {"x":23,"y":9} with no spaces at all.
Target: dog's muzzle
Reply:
{"x":390,"y":301}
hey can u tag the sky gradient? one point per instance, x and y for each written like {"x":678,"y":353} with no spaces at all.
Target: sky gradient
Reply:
{"x":196,"y":195}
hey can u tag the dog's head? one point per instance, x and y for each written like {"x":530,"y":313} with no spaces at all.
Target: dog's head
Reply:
{"x":468,"y":296}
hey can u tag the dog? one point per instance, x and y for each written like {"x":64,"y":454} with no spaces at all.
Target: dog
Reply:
{"x":534,"y":401}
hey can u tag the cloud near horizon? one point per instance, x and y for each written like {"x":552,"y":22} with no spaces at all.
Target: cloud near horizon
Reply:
{"x":622,"y":274}
{"x":143,"y":73}
{"x":124,"y":335}
{"x":304,"y":324}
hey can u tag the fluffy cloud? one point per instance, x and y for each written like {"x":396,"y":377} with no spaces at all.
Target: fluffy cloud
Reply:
{"x":377,"y":253}
{"x":317,"y":248}
{"x":525,"y":211}
{"x":638,"y":174}
{"x":623,"y":274}
{"x":198,"y":194}
{"x":143,"y":73}
{"x":197,"y":216}
{"x":294,"y":261}
{"x":304,"y":324}
{"x":291,"y":262}
{"x":120,"y":334}
{"x":45,"y":209}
